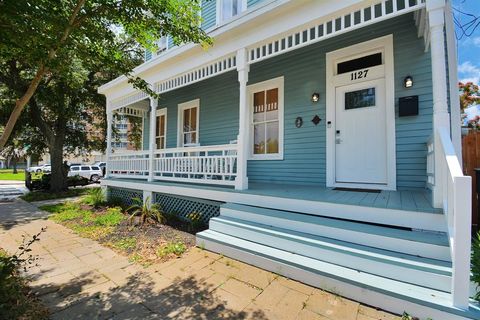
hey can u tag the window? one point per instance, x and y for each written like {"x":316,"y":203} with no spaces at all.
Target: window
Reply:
{"x":360,"y":63}
{"x":228,"y":8}
{"x":161,"y":129}
{"x":85,"y":168}
{"x":162,"y":44}
{"x":360,"y":99}
{"x":74,"y":168}
{"x":266,"y":101}
{"x":95,"y":168}
{"x":188,"y":116}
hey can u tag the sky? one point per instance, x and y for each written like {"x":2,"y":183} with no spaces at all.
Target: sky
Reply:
{"x":468,"y":47}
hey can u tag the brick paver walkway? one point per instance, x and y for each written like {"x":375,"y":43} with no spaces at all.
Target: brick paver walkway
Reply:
{"x":80,"y":279}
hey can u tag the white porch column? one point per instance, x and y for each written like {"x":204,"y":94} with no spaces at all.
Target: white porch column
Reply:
{"x":453,"y":81}
{"x":241,"y":182}
{"x":152,"y":144}
{"x":441,"y":117}
{"x":108,"y":152}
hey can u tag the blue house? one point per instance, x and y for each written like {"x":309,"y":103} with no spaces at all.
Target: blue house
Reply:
{"x":319,"y":141}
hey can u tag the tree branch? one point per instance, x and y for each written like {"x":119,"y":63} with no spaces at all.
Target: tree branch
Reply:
{"x":42,"y":69}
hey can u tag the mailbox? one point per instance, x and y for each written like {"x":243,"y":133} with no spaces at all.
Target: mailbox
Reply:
{"x":408,"y":106}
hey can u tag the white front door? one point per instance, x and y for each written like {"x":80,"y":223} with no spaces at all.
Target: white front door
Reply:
{"x":360,"y":133}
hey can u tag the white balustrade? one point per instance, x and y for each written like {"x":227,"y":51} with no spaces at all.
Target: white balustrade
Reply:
{"x":129,"y":165}
{"x":203,"y":164}
{"x":457,"y":193}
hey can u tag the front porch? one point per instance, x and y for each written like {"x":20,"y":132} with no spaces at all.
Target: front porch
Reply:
{"x":408,"y":208}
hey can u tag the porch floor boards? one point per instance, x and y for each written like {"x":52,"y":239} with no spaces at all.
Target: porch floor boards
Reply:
{"x":411,"y":200}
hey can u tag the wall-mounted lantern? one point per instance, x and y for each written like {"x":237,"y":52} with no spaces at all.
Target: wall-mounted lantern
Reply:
{"x":408,"y":82}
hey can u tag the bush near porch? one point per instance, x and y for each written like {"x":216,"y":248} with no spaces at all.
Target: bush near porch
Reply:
{"x":110,"y":224}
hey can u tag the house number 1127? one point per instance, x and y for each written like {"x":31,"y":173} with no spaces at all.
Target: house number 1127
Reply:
{"x":358,"y":74}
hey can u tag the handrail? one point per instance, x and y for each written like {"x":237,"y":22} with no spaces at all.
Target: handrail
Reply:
{"x":457,"y":196}
{"x":222,"y":147}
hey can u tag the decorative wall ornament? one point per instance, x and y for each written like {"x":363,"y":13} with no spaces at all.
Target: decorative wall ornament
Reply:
{"x":316,"y":120}
{"x":298,"y":122}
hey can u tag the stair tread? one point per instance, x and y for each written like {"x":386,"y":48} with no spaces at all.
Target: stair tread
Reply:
{"x":434,"y":238}
{"x":371,"y":253}
{"x":406,"y":291}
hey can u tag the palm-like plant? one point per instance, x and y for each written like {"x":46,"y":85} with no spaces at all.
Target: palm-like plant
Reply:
{"x":146,"y":212}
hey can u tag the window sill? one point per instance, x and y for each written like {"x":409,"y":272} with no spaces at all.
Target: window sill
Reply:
{"x":266,"y":157}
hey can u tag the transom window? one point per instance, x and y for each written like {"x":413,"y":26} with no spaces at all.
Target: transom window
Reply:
{"x":360,"y":63}
{"x":189,"y":123}
{"x":161,"y":129}
{"x":267,"y":119}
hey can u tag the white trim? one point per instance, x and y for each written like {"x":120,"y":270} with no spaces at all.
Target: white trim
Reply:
{"x":384,"y":44}
{"x":262,"y":86}
{"x":182,"y":106}
{"x":161,"y":112}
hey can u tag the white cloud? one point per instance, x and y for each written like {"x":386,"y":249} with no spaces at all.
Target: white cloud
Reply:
{"x":476,"y":41}
{"x":468,"y":72}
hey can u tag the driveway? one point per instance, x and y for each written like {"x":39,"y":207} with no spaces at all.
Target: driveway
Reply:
{"x":77,"y":278}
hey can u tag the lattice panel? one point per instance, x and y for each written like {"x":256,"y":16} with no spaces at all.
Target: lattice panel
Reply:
{"x":126,"y":195}
{"x":183,"y":206}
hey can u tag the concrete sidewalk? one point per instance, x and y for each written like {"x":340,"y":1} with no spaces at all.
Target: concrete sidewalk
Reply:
{"x":78,"y":278}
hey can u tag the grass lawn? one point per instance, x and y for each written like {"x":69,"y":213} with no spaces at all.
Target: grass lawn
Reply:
{"x":46,"y":195}
{"x":7,"y":174}
{"x":111,"y":226}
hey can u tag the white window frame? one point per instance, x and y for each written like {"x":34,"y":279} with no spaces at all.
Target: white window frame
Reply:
{"x":161,"y":112}
{"x":181,"y":107}
{"x":219,"y":12}
{"x":263,"y":86}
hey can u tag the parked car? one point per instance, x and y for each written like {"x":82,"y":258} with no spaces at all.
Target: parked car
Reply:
{"x":102,"y":165}
{"x":41,"y":168}
{"x":92,"y":173}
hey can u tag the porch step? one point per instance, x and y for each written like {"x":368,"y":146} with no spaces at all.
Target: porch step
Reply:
{"x":431,"y":273}
{"x":433,"y":245}
{"x":392,"y":295}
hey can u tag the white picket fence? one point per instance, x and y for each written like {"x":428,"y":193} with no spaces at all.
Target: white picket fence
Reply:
{"x":203,"y":164}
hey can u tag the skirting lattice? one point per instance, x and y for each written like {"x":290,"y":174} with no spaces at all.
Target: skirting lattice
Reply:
{"x":125,"y":195}
{"x":185,"y":206}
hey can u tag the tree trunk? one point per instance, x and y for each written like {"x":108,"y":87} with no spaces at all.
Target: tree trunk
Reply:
{"x":58,"y":178}
{"x":14,"y":160}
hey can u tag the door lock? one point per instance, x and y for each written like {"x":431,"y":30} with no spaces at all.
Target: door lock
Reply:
{"x":338,"y":131}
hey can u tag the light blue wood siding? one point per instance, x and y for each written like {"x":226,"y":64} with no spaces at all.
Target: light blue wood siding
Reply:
{"x":209,"y":13}
{"x":218,"y":109}
{"x":304,"y":71}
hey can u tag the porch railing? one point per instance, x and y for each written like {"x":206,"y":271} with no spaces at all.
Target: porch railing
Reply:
{"x":202,"y":164}
{"x":129,"y":164}
{"x":456,"y":201}
{"x":206,"y":164}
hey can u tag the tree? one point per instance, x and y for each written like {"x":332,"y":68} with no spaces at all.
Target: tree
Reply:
{"x":44,"y":33}
{"x":469,"y":94}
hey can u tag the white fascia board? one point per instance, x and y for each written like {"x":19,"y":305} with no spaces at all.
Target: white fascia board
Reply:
{"x":279,"y":16}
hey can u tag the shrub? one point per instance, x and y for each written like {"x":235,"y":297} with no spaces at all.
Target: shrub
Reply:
{"x":95,"y":197}
{"x":146,"y":212}
{"x":475,"y":263}
{"x":176,"y":248}
{"x":195,"y":222}
{"x":15,"y":302}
